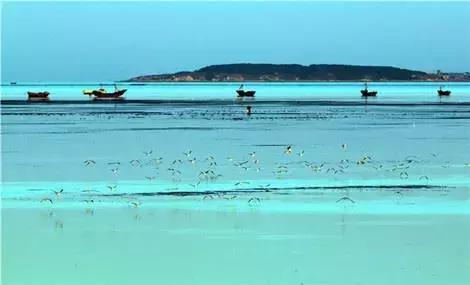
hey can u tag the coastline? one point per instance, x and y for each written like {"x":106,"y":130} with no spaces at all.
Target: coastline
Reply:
{"x":130,"y":82}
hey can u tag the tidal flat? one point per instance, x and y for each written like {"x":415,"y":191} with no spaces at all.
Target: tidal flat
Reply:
{"x":325,"y":190}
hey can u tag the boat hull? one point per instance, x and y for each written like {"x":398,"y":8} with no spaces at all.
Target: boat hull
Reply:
{"x":443,"y":92}
{"x":100,"y":95}
{"x":367,"y":93}
{"x":243,"y":93}
{"x":38,"y":96}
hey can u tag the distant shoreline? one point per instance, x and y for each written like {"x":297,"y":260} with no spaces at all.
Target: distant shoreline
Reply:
{"x":137,"y":83}
{"x":249,"y":72}
{"x":294,"y":81}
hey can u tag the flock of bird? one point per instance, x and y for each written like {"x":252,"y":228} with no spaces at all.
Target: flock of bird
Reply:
{"x":208,"y":170}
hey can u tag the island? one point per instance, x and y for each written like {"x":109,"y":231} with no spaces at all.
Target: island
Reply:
{"x":297,"y":72}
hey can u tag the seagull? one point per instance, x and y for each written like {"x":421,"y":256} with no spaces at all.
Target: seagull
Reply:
{"x":157,"y":160}
{"x":301,"y":153}
{"x":195,"y":185}
{"x":174,"y":171}
{"x":112,"y":187}
{"x":398,"y":193}
{"x":364,"y":160}
{"x":254,"y":200}
{"x":241,"y":163}
{"x":252,"y":154}
{"x":230,"y":198}
{"x":424,"y":177}
{"x":89,"y":162}
{"x":280,"y":171}
{"x":114,"y":170}
{"x":344,"y":146}
{"x":150,"y":178}
{"x":378,"y":167}
{"x":147,"y":153}
{"x":345,"y":199}
{"x":135,"y":162}
{"x":57,"y":193}
{"x":47,"y":200}
{"x":317,"y":168}
{"x":188,"y":153}
{"x":331,"y":169}
{"x":404,"y":175}
{"x":136,"y":204}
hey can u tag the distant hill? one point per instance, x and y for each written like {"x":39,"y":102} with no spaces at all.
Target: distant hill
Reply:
{"x":292,"y":72}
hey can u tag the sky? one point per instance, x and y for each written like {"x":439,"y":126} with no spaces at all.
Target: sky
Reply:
{"x":98,"y":41}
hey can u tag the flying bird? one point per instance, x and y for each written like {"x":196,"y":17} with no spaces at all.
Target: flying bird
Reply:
{"x":136,"y":204}
{"x":112,"y":187}
{"x":47,"y":200}
{"x":89,"y":162}
{"x":254,"y":200}
{"x":57,"y":193}
{"x":345,"y":199}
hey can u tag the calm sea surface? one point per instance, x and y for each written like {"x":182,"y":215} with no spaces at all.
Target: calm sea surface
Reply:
{"x":177,"y":185}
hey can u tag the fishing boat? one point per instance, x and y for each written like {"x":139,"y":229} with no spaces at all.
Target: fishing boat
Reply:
{"x":38,"y":96}
{"x":366,"y":93}
{"x":441,"y":92}
{"x":245,"y":93}
{"x":102,"y":94}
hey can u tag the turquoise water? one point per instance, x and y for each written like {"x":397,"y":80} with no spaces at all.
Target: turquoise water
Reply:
{"x":388,"y":91}
{"x":197,"y":192}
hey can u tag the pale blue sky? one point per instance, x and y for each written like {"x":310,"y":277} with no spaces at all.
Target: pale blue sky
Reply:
{"x":80,"y":41}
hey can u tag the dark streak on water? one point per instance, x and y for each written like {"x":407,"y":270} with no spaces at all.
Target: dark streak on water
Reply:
{"x":231,"y":102}
{"x":270,"y":189}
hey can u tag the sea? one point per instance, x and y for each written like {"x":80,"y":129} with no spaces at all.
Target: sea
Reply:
{"x":177,"y":184}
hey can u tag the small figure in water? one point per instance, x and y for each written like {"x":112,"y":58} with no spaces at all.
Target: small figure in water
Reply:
{"x":248,"y":110}
{"x":288,"y":150}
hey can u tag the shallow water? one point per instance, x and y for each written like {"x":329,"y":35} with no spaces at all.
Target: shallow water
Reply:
{"x":370,"y":194}
{"x":328,"y":91}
